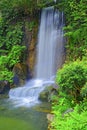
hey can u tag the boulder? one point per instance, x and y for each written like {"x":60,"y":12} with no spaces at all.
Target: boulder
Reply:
{"x":50,"y":117}
{"x":47,"y":93}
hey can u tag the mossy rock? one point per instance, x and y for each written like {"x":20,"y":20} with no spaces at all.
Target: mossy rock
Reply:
{"x":47,"y":93}
{"x":43,"y":96}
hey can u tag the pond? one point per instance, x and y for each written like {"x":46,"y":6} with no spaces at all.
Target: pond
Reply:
{"x":23,"y":118}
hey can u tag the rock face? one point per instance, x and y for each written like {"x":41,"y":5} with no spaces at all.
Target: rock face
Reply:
{"x":30,"y":42}
{"x":20,"y":71}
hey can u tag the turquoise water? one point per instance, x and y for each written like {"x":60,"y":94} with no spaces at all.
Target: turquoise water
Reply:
{"x":23,"y":118}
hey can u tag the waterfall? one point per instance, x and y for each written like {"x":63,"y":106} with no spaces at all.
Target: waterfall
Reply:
{"x":50,"y":52}
{"x":46,"y":46}
{"x":50,"y":36}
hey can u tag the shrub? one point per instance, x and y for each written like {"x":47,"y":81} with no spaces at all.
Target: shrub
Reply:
{"x":71,"y":78}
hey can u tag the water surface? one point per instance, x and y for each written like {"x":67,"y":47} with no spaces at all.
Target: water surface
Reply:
{"x":23,"y":118}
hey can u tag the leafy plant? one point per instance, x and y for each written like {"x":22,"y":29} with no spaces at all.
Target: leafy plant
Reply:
{"x":71,"y":78}
{"x":15,"y":55}
{"x":5,"y":73}
{"x":72,"y":119}
{"x":11,"y":35}
{"x":8,"y":61}
{"x":31,"y":25}
{"x":84,"y":91}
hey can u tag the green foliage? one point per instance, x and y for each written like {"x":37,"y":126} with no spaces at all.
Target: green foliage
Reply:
{"x":84,"y":91}
{"x":76,"y":27}
{"x":62,"y":104}
{"x":71,"y":119}
{"x":15,"y":9}
{"x":8,"y":61}
{"x":15,"y":54}
{"x":72,"y":77}
{"x":31,"y":25}
{"x":14,"y":35}
{"x":10,"y":48}
{"x":12,"y":9}
{"x":45,"y":3}
{"x":26,"y":6}
{"x":5,"y":74}
{"x":11,"y":36}
{"x":70,"y":106}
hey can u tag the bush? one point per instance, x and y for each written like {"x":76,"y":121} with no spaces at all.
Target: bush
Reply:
{"x":70,"y":120}
{"x":71,"y":78}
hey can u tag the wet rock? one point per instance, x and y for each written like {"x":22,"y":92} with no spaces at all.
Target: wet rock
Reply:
{"x":47,"y":93}
{"x":43,"y":96}
{"x":4,"y":87}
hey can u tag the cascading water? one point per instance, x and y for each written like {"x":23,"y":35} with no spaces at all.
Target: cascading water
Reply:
{"x":46,"y":45}
{"x":50,"y":52}
{"x":50,"y":39}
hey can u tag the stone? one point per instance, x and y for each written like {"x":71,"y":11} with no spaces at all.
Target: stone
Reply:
{"x":47,"y":93}
{"x":50,"y":117}
{"x":4,"y":87}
